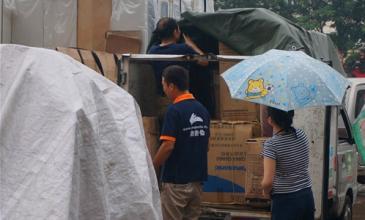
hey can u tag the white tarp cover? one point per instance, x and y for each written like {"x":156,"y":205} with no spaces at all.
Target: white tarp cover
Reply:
{"x":135,"y":15}
{"x":132,"y":15}
{"x":71,"y":142}
{"x":43,"y":23}
{"x":180,"y":6}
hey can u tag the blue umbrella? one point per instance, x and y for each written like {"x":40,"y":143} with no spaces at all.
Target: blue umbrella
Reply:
{"x":286,"y":80}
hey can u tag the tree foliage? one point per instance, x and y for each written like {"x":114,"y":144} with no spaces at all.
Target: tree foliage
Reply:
{"x":348,"y":16}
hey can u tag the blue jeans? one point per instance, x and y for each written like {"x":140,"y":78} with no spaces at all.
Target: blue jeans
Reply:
{"x":293,"y":206}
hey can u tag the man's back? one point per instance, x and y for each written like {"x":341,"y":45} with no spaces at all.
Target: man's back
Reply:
{"x":159,"y":66}
{"x":187,"y":121}
{"x":179,"y":48}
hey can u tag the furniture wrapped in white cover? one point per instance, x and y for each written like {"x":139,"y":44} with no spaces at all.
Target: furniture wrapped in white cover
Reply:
{"x":72,"y":144}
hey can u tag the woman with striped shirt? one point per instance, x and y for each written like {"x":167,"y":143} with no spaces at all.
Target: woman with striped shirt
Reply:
{"x":286,"y":169}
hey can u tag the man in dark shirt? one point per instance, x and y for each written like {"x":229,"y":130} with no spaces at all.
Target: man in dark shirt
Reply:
{"x":169,"y":34}
{"x":184,"y":148}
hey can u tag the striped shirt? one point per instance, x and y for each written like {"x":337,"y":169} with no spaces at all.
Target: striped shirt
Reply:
{"x":291,"y":154}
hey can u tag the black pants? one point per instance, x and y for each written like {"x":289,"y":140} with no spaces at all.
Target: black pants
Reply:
{"x":293,"y":206}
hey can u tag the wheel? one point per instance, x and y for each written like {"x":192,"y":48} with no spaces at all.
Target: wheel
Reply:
{"x":347,"y":209}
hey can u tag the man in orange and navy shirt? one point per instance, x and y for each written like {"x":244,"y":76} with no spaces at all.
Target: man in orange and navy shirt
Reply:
{"x":184,"y":148}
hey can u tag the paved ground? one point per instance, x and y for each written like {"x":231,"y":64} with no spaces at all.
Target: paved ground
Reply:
{"x":359,"y":207}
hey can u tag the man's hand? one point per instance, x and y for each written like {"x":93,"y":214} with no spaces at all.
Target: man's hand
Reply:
{"x":192,"y":45}
{"x":190,"y":42}
{"x":163,"y":153}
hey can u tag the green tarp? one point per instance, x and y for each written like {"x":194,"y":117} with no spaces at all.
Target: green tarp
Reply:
{"x":253,"y":31}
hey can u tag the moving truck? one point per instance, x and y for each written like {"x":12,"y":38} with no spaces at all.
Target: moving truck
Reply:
{"x":333,"y":161}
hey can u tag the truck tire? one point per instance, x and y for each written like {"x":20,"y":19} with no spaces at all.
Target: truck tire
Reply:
{"x":347,"y":209}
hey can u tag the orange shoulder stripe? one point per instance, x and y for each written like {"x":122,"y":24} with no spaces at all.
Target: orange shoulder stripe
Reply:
{"x":167,"y":138}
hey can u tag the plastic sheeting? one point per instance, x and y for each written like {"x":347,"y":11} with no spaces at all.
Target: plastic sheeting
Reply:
{"x":72,"y":144}
{"x":174,"y":8}
{"x":43,"y":23}
{"x":134,"y":15}
{"x":143,"y":15}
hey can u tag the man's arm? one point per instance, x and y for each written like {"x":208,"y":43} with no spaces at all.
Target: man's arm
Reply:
{"x":192,"y":45}
{"x":163,"y":153}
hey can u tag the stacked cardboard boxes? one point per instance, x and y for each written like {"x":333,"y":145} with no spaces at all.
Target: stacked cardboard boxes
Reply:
{"x":102,"y":62}
{"x":228,"y":108}
{"x":88,"y":59}
{"x":230,"y":155}
{"x":123,"y":42}
{"x":94,"y":25}
{"x":93,"y":21}
{"x":227,"y":162}
{"x":254,"y":170}
{"x":108,"y":65}
{"x":72,"y":52}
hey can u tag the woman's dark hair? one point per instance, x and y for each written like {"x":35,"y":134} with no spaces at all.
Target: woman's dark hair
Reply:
{"x":177,"y":75}
{"x":282,"y":119}
{"x":165,"y":28}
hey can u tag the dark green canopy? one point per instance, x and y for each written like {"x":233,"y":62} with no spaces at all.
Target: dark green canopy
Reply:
{"x":253,"y":31}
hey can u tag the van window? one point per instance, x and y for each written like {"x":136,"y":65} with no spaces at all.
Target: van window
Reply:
{"x":360,"y":101}
{"x":342,"y":132}
{"x":164,"y":10}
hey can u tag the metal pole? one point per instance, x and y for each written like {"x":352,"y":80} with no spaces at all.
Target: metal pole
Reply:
{"x":43,"y":23}
{"x":326,"y":152}
{"x":2,"y":22}
{"x":180,"y":7}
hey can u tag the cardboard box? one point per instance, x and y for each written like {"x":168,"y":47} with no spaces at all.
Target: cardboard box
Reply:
{"x":227,"y":162}
{"x":233,"y":109}
{"x":108,"y":64}
{"x":107,"y":61}
{"x":152,"y":134}
{"x":83,"y":56}
{"x":93,"y":21}
{"x":123,"y":42}
{"x":266,"y":129}
{"x":228,"y":108}
{"x":254,"y":169}
{"x":88,"y":59}
{"x":225,"y":50}
{"x":72,"y":52}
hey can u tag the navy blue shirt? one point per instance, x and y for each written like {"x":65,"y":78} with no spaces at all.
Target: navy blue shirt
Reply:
{"x":187,"y":123}
{"x":159,"y":66}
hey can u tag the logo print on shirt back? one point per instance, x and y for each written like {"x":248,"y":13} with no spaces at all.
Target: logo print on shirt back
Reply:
{"x":194,"y":118}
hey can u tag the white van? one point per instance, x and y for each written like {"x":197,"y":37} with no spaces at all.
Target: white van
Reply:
{"x":354,"y":102}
